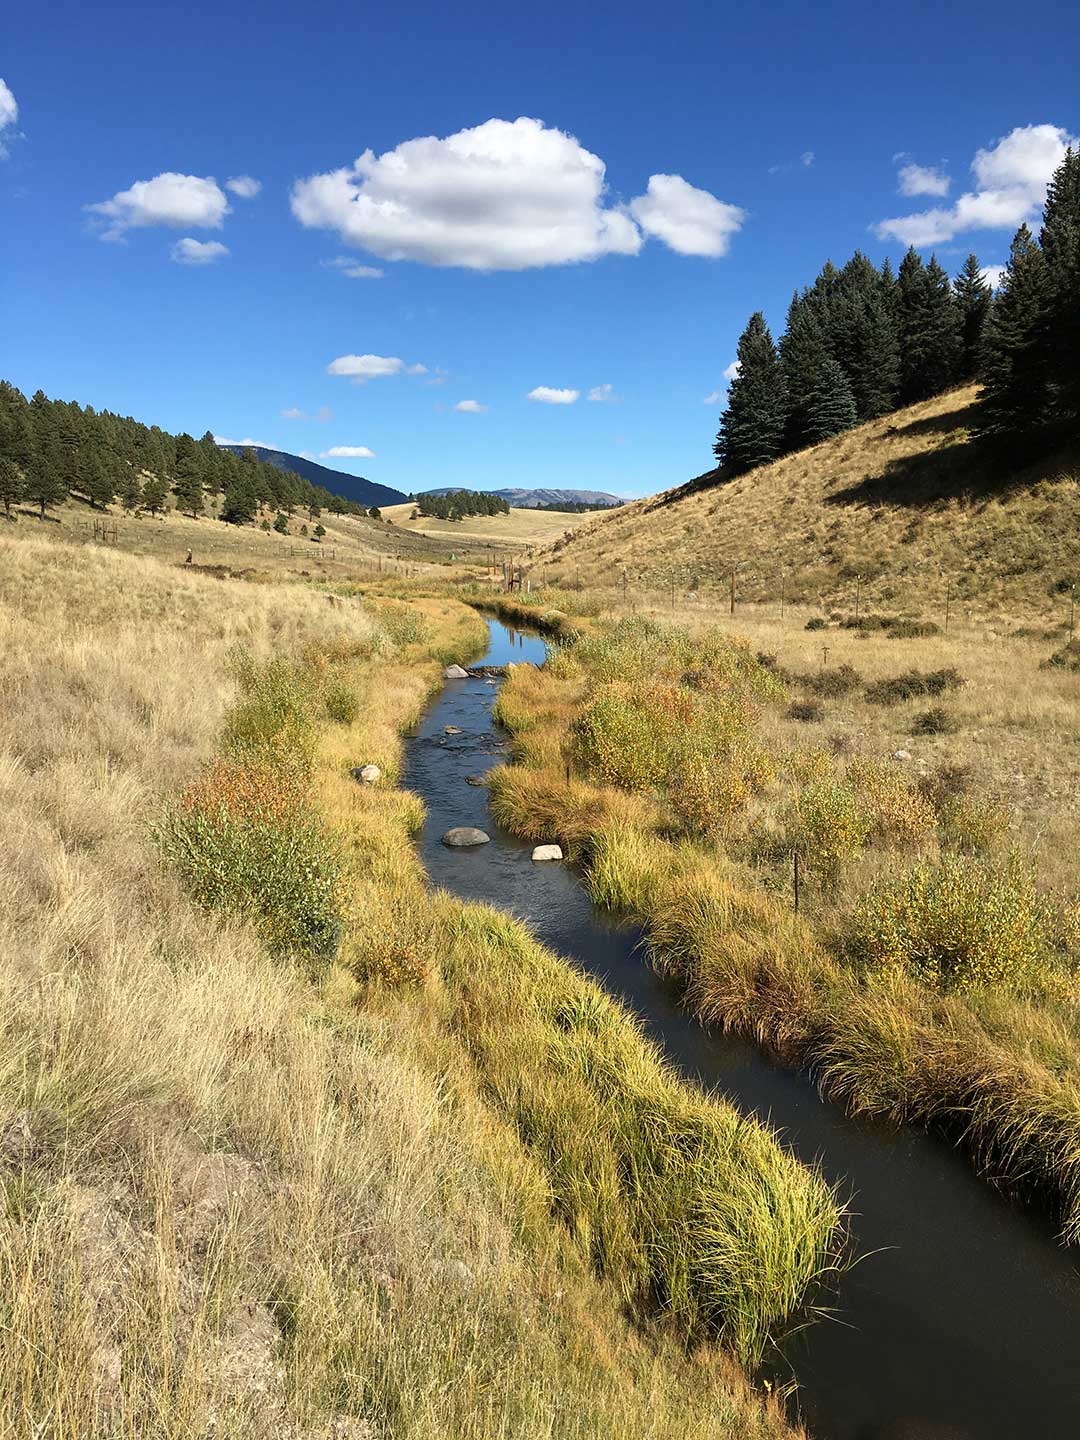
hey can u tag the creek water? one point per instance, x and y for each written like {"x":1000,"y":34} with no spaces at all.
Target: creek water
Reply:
{"x":962,"y":1319}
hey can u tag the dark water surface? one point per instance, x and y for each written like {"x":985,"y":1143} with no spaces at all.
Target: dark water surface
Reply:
{"x":963,"y":1320}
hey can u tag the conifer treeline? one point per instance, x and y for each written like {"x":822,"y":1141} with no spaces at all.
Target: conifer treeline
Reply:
{"x":52,"y":448}
{"x":861,"y":341}
{"x":460,"y":503}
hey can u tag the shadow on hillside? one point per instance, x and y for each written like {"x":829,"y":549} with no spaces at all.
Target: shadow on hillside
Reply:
{"x":968,"y":470}
{"x":942,"y":424}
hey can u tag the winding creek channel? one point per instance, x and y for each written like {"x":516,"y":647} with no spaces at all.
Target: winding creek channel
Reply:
{"x":963,"y":1318}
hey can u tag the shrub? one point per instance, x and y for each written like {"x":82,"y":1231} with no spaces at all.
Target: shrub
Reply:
{"x":973,"y":824}
{"x":913,"y":683}
{"x":396,"y":947}
{"x":958,"y":925}
{"x":897,"y":811}
{"x":618,"y":743}
{"x":805,"y":710}
{"x":817,"y":622}
{"x":245,"y":840}
{"x":275,"y":711}
{"x":841,"y":680}
{"x":341,"y":701}
{"x":403,"y":624}
{"x":1067,"y":658}
{"x":946,"y":784}
{"x":828,"y":826}
{"x":935,"y":721}
{"x":912,"y":629}
{"x":710,"y":790}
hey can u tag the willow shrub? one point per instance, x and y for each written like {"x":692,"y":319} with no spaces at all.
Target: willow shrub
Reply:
{"x":959,"y":925}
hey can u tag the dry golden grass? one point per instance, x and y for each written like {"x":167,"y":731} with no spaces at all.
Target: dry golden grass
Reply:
{"x":238,"y":1202}
{"x":519,"y":530}
{"x":904,"y":501}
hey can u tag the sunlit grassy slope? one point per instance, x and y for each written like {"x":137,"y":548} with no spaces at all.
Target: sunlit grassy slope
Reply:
{"x":906,"y":502}
{"x":519,"y":528}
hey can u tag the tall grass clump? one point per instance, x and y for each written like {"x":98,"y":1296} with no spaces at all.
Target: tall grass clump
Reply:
{"x":695,"y":1212}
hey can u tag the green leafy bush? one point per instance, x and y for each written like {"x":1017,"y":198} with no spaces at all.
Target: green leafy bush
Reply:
{"x":960,"y":925}
{"x":829,"y":826}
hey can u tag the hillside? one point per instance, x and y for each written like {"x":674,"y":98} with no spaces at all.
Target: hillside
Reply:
{"x":905,"y":502}
{"x":352,"y":487}
{"x":529,"y":499}
{"x":521,"y":528}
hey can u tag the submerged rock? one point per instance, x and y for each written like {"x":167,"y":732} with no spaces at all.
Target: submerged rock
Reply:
{"x":476,"y":780}
{"x":464,"y":835}
{"x":455,"y":672}
{"x":547,"y":852}
{"x":452,"y":730}
{"x":366,"y":774}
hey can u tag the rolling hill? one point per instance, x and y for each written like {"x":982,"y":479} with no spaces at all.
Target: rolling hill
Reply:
{"x":902,"y":510}
{"x":529,"y":499}
{"x":352,"y":487}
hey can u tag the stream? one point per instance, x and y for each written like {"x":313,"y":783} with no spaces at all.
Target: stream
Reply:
{"x":963,"y":1318}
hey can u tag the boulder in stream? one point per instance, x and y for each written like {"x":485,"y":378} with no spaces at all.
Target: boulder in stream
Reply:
{"x":462,"y":836}
{"x":455,"y":672}
{"x":547,"y":852}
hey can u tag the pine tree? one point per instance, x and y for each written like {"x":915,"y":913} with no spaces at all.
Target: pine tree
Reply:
{"x":803,"y":354}
{"x":1060,"y":243}
{"x":188,"y":484}
{"x":752,"y":426}
{"x":12,"y":486}
{"x":239,"y":504}
{"x":830,"y":404}
{"x":928,"y":329}
{"x":863,"y":337}
{"x":973,"y":299}
{"x":98,"y":484}
{"x":281,"y":523}
{"x":154,"y":491}
{"x":1014,"y":398}
{"x":131,"y":495}
{"x":46,"y":475}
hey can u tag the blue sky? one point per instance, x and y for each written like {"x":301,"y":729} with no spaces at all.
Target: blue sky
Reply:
{"x":688,"y":164}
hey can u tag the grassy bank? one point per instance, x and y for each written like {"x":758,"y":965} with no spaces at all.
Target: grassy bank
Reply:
{"x":934,"y":979}
{"x":283,"y":1162}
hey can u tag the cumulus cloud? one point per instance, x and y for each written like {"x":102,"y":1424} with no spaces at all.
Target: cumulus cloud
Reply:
{"x":602,"y":393}
{"x":688,"y":220}
{"x":720,"y":393}
{"x":322,"y":414}
{"x":170,"y":199}
{"x":294,"y":414}
{"x":244,"y":186}
{"x":470,"y":407}
{"x":807,"y":158}
{"x":915,"y":179}
{"x":993,"y":275}
{"x":198,"y":252}
{"x":9,"y":113}
{"x":361,"y":368}
{"x":504,"y":195}
{"x":1010,"y":179}
{"x":352,"y":270}
{"x":348,"y":452}
{"x":547,"y":396}
{"x":246,"y":442}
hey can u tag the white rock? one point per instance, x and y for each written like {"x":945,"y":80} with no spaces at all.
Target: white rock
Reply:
{"x":455,"y":672}
{"x":547,"y":852}
{"x":901,"y":754}
{"x":366,"y":774}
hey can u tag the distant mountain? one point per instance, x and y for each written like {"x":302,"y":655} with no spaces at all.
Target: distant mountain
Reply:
{"x":351,"y":487}
{"x":529,"y":499}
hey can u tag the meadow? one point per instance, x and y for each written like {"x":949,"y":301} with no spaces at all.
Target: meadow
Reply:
{"x":288,"y":1143}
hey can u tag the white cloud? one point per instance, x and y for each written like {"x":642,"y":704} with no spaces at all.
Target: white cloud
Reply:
{"x":198,"y":252}
{"x":602,"y":393}
{"x":361,"y":368}
{"x":294,"y":414}
{"x":807,"y":158}
{"x":179,"y":201}
{"x":9,"y":113}
{"x":547,"y":396}
{"x":348,"y":452}
{"x":1011,"y":177}
{"x":323,"y":414}
{"x":352,"y":270}
{"x":247,"y":441}
{"x":915,"y":179}
{"x":688,"y":220}
{"x":470,"y":407}
{"x":720,"y":393}
{"x":244,"y":186}
{"x":501,"y":196}
{"x":993,"y":275}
